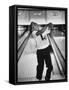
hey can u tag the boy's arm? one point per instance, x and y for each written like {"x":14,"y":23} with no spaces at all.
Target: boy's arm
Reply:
{"x":41,"y":31}
{"x":46,"y":32}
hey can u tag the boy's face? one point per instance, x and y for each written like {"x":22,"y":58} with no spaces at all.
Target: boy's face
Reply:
{"x":48,"y":29}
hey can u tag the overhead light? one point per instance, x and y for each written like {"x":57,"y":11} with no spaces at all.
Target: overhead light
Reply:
{"x":20,"y":13}
{"x":40,"y":13}
{"x":37,"y":13}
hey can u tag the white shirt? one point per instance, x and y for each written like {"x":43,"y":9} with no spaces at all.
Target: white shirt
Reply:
{"x":41,"y":44}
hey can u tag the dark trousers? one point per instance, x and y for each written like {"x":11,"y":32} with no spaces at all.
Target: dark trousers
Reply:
{"x":44,"y":55}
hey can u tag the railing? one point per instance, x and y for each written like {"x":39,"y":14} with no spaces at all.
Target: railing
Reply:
{"x":22,"y":42}
{"x":60,"y":61}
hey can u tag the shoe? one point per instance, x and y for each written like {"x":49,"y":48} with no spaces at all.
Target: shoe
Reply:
{"x":47,"y":78}
{"x":39,"y":78}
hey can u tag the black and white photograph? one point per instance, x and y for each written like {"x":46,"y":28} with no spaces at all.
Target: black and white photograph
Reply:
{"x":34,"y":44}
{"x":41,"y":44}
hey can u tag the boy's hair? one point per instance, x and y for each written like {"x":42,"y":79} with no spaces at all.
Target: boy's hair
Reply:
{"x":34,"y":24}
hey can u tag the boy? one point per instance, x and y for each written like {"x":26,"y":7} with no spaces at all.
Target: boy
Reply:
{"x":43,"y":49}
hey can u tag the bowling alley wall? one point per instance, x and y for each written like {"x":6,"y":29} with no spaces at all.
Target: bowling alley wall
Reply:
{"x":41,"y":17}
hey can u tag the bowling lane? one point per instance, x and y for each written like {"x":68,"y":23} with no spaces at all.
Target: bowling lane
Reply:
{"x":60,"y":41}
{"x":28,"y":62}
{"x":20,"y":41}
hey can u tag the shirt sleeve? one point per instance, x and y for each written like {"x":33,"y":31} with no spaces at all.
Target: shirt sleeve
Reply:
{"x":46,"y":32}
